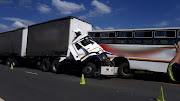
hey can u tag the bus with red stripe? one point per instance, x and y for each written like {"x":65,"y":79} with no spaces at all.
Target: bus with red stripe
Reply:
{"x":149,"y":49}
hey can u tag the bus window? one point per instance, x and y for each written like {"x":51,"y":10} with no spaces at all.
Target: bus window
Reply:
{"x":124,"y":34}
{"x":138,"y":41}
{"x":108,"y":40}
{"x":143,"y":34}
{"x":170,"y":33}
{"x":178,"y":33}
{"x":112,"y":34}
{"x":105,"y":34}
{"x":92,"y":34}
{"x":97,"y":40}
{"x":124,"y":41}
{"x":147,"y":42}
{"x":164,"y":41}
{"x":172,"y":42}
{"x":97,"y":34}
{"x":160,"y":34}
{"x":120,"y":41}
{"x":166,"y":34}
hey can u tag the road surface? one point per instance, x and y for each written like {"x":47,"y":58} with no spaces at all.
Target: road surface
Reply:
{"x":25,"y":84}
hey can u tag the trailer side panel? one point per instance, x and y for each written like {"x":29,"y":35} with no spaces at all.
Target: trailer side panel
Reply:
{"x":10,"y":43}
{"x":48,"y":39}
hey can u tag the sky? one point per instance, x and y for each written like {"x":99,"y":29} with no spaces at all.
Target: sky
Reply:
{"x":103,"y":14}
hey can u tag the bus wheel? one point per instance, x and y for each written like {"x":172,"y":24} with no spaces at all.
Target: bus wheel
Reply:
{"x":124,"y":71}
{"x":45,"y":65}
{"x":9,"y":61}
{"x":89,"y":70}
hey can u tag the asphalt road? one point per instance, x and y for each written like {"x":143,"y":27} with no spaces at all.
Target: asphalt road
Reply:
{"x":25,"y":84}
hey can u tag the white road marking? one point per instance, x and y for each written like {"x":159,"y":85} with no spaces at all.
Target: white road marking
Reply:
{"x":1,"y":99}
{"x":31,"y":73}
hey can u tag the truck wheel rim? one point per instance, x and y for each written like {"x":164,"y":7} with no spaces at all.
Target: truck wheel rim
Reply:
{"x":54,"y":68}
{"x":126,"y":71}
{"x":88,"y":69}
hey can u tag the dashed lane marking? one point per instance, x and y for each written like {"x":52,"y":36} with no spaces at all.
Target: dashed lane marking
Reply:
{"x":31,"y":73}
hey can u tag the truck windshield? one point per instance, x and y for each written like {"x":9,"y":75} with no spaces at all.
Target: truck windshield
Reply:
{"x":86,"y":41}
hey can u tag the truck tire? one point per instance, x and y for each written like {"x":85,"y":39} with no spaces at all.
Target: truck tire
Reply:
{"x":15,"y":62}
{"x":45,"y":65}
{"x":54,"y":66}
{"x":89,"y":70}
{"x":9,"y":61}
{"x":124,"y":71}
{"x":57,"y":67}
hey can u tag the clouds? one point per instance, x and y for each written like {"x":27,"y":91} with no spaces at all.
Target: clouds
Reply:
{"x":44,"y":8}
{"x":26,"y":22}
{"x":162,"y":24}
{"x":97,"y":28}
{"x":100,"y":9}
{"x":107,"y":28}
{"x":18,"y":24}
{"x":67,"y":7}
{"x":3,"y":27}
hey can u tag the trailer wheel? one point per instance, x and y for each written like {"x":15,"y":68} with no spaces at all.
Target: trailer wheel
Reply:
{"x":45,"y":65}
{"x":124,"y":71}
{"x":9,"y":61}
{"x":89,"y":70}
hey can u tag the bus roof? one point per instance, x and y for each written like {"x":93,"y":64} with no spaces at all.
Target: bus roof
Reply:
{"x":141,"y":29}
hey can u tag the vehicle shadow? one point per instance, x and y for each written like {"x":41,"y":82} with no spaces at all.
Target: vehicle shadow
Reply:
{"x":139,"y":75}
{"x":156,"y":77}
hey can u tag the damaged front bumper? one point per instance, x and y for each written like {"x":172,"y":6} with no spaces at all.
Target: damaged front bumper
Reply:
{"x":107,"y":70}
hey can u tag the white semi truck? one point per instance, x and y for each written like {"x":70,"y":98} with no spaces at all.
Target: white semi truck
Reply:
{"x":56,"y":45}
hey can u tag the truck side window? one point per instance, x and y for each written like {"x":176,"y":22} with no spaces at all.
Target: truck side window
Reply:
{"x":78,"y":46}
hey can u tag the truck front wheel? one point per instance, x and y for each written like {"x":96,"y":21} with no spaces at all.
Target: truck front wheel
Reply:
{"x":45,"y":65}
{"x":124,"y":71}
{"x":89,"y":70}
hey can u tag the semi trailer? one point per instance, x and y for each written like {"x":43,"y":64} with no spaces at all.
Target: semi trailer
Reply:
{"x":57,"y":45}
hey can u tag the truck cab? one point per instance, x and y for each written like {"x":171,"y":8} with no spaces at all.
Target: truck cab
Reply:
{"x":91,"y":55}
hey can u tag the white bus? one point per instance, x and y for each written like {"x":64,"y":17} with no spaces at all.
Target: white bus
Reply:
{"x":149,"y":49}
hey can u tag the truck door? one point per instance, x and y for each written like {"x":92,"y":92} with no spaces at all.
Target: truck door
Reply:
{"x":77,"y":51}
{"x":80,"y":50}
